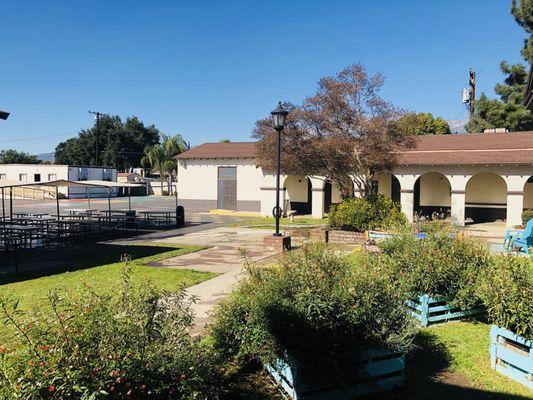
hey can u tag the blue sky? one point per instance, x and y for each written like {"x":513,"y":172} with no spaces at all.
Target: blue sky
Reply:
{"x":210,"y":69}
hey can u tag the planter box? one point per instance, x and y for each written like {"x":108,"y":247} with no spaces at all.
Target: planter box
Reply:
{"x":319,"y":234}
{"x":380,"y":235}
{"x":430,"y":311}
{"x":379,"y":371}
{"x":511,"y":355}
{"x":298,"y":235}
{"x":335,"y":236}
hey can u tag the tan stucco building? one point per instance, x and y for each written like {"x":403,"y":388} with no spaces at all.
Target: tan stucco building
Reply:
{"x":478,"y":177}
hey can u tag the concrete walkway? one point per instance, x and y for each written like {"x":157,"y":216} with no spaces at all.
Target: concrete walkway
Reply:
{"x":223,"y":257}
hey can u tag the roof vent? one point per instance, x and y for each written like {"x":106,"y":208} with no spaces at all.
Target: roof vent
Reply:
{"x":496,"y":130}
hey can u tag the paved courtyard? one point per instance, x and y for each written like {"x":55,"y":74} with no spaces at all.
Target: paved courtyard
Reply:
{"x":223,"y":257}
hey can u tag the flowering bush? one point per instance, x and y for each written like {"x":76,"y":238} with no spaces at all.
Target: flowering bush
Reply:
{"x":440,"y":265}
{"x":507,"y":292}
{"x":132,"y":344}
{"x":358,"y":214}
{"x":314,"y":308}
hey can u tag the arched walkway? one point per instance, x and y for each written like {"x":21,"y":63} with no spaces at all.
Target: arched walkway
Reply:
{"x":432,"y":195}
{"x":298,"y":194}
{"x":486,"y":198}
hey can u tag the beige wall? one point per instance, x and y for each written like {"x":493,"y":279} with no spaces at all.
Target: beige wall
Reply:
{"x":528,"y":195}
{"x":335,"y":194}
{"x":435,"y":190}
{"x":486,"y":187}
{"x":197,"y":179}
{"x":384,"y":184}
{"x":296,"y":188}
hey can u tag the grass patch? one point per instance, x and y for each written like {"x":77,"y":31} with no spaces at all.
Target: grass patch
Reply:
{"x":32,"y":288}
{"x":269,"y":223}
{"x":468,"y":347}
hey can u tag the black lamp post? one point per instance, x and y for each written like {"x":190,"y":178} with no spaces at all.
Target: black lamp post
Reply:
{"x":4,"y":114}
{"x":279,"y":116}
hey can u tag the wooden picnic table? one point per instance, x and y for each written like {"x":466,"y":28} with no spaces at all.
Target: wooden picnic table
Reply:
{"x":81,"y":211}
{"x":26,"y":214}
{"x":148,"y":214}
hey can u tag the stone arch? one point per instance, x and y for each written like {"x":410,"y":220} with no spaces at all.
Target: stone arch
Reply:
{"x":432,"y":194}
{"x":297,"y":194}
{"x":486,"y":197}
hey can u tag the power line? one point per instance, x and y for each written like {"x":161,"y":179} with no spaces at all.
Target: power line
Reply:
{"x":38,"y":137}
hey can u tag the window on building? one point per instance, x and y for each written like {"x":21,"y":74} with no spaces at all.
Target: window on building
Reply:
{"x":107,"y":174}
{"x":23,"y":177}
{"x":52,"y":177}
{"x":83,"y":174}
{"x":37,"y":177}
{"x":3,"y":176}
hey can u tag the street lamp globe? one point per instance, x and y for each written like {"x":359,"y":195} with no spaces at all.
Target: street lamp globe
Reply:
{"x":279,"y":117}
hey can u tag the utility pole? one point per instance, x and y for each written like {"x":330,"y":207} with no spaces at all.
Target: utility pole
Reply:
{"x":472,"y":95}
{"x":96,"y":146}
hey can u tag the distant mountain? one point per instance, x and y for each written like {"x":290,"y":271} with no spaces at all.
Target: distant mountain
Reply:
{"x":457,"y":125}
{"x":46,"y":156}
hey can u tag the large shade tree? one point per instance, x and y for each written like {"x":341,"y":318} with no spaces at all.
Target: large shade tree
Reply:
{"x":11,"y":156}
{"x":418,"y":124}
{"x":346,"y":132}
{"x":508,"y":111}
{"x":122,"y":143}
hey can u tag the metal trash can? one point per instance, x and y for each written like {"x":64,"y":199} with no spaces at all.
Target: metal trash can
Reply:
{"x":180,"y":216}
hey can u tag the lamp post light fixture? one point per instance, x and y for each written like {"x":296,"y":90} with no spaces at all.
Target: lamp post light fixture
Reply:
{"x":4,"y":114}
{"x":279,"y":117}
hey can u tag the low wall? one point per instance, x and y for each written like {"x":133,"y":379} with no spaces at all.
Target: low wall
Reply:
{"x":335,"y":236}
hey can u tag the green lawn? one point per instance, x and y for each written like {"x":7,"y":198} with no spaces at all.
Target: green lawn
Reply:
{"x":466,"y":348}
{"x":269,"y":222}
{"x":32,"y":288}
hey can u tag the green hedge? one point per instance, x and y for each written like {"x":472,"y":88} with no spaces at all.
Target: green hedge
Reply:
{"x":440,"y":265}
{"x":507,"y":292}
{"x":315,"y":307}
{"x":362,"y":214}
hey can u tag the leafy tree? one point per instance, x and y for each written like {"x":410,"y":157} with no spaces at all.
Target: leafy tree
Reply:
{"x":121,"y":144}
{"x":422,"y":124}
{"x":17,"y":157}
{"x":224,"y":141}
{"x":509,"y":111}
{"x":161,"y":158}
{"x":345,"y":132}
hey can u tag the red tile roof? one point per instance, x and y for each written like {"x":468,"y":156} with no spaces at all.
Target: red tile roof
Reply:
{"x":220,"y":150}
{"x":473,"y":148}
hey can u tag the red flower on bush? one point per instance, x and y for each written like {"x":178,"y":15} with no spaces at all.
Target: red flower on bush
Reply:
{"x":51,"y":388}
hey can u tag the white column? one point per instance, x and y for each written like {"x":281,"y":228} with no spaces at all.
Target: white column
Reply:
{"x":515,"y":205}
{"x":458,"y":207}
{"x":317,"y":203}
{"x":268,"y":200}
{"x":407,"y":203}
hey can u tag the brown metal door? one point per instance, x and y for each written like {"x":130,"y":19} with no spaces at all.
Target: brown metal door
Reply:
{"x":227,"y":188}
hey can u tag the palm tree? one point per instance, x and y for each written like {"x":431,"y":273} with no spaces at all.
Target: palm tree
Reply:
{"x":160,"y":158}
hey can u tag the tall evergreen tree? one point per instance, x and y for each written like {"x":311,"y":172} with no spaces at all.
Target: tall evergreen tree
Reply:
{"x":122,"y":144}
{"x":509,"y":111}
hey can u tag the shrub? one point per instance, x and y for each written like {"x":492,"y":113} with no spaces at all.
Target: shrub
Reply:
{"x":526,"y":216}
{"x":314,"y":307}
{"x":440,"y":265}
{"x":361,"y":214}
{"x":133,"y":344}
{"x":507,"y":292}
